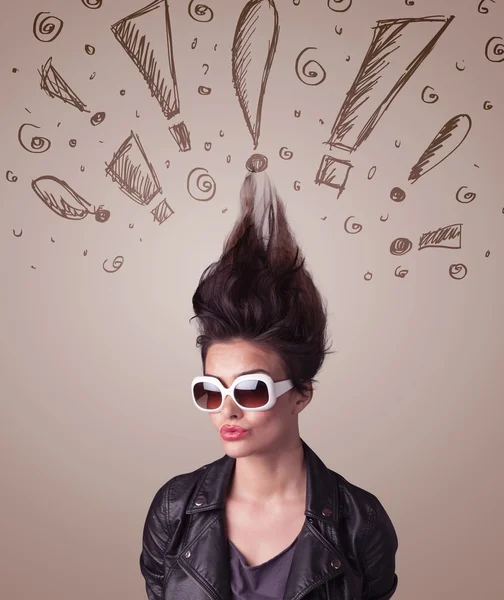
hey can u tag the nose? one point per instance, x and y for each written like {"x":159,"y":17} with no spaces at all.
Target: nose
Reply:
{"x":229,"y":406}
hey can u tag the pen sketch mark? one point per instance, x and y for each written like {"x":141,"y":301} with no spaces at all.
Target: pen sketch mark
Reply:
{"x":487,"y":253}
{"x":89,"y":49}
{"x":52,"y":240}
{"x":285,"y":153}
{"x":356,"y":227}
{"x":207,"y":67}
{"x":208,"y":145}
{"x":256,"y":163}
{"x":310,"y":77}
{"x":93,"y":4}
{"x":347,"y":58}
{"x":117,"y":263}
{"x":368,"y":276}
{"x":457,"y":271}
{"x":203,"y":182}
{"x":48,"y":28}
{"x":400,"y":246}
{"x":385,"y":70}
{"x":92,"y":76}
{"x":72,"y":143}
{"x":443,"y":237}
{"x":297,"y":113}
{"x":201,"y":12}
{"x":194,"y":43}
{"x":181,"y":135}
{"x":371,"y":172}
{"x":131,"y":225}
{"x":153,"y":59}
{"x":228,"y":158}
{"x":84,"y":253}
{"x":137,"y":114}
{"x":296,"y":2}
{"x":297,"y":185}
{"x":432,"y":97}
{"x":468,"y":196}
{"x":495,"y":49}
{"x":252,"y":53}
{"x":397,"y":194}
{"x":402,"y":273}
{"x":459,"y":68}
{"x":487,"y":105}
{"x":66,"y":202}
{"x":131,"y":168}
{"x":167,"y":164}
{"x":397,"y":143}
{"x":333,"y":172}
{"x":14,"y":70}
{"x":97,"y":118}
{"x":338,"y":30}
{"x":482,"y":8}
{"x":162,"y":211}
{"x":83,"y":168}
{"x":320,"y":121}
{"x":122,"y":92}
{"x":11,"y":177}
{"x":221,"y":133}
{"x":55,"y":86}
{"x":36,"y":144}
{"x":224,"y":210}
{"x":17,"y":234}
{"x":449,"y":138}
{"x":323,"y":218}
{"x":383,"y":219}
{"x":339,"y":5}
{"x":204,"y":90}
{"x":215,"y":47}
{"x":409,"y":2}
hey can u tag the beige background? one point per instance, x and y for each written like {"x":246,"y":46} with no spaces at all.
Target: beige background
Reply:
{"x":96,"y":366}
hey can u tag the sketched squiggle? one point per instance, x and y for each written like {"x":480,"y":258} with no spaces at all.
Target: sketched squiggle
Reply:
{"x":117,"y":263}
{"x":468,"y":196}
{"x":402,"y":273}
{"x":37,"y":144}
{"x":89,"y":49}
{"x":201,"y":12}
{"x":339,"y":5}
{"x":457,"y":271}
{"x":48,"y":28}
{"x":93,"y":4}
{"x":483,"y":9}
{"x":285,"y":153}
{"x":433,"y":97}
{"x":400,"y":246}
{"x":495,"y":49}
{"x":11,"y":177}
{"x":203,"y":182}
{"x":307,"y":76}
{"x":97,"y":118}
{"x":371,"y":172}
{"x":355,"y":226}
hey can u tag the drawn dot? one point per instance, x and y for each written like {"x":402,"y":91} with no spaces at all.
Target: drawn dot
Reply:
{"x":397,"y":194}
{"x":89,"y":49}
{"x":97,"y":118}
{"x":72,"y":143}
{"x":122,"y":92}
{"x":14,"y":70}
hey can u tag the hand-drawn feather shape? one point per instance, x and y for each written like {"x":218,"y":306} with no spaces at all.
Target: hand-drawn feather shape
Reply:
{"x":449,"y":138}
{"x":254,"y":46}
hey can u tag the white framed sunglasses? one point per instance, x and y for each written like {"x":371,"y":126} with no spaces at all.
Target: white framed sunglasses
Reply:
{"x":256,"y":391}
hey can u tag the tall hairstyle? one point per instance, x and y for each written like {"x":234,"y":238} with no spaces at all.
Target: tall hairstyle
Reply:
{"x":261,"y":291}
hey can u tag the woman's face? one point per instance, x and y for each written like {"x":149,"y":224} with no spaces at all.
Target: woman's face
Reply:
{"x":268,"y":430}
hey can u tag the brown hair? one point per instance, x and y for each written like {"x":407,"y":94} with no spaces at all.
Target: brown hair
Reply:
{"x":260,"y":290}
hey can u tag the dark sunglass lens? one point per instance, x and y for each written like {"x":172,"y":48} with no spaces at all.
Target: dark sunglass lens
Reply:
{"x":207,"y":395}
{"x":252,"y":393}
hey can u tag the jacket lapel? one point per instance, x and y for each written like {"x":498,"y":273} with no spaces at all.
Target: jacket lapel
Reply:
{"x":205,"y":554}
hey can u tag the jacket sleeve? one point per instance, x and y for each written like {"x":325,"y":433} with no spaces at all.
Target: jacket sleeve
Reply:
{"x":155,"y":538}
{"x":377,"y":553}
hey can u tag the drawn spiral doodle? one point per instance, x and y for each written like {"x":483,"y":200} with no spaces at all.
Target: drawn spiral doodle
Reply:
{"x":371,"y":172}
{"x":459,"y":68}
{"x":383,"y":219}
{"x":93,"y":4}
{"x":47,"y":29}
{"x":285,"y":153}
{"x":37,"y":144}
{"x":487,"y":105}
{"x":11,"y":177}
{"x":433,"y":97}
{"x":368,"y":276}
{"x":72,"y":143}
{"x":400,"y":246}
{"x":484,"y":9}
{"x":194,"y":43}
{"x":97,"y":118}
{"x":306,"y":76}
{"x":89,"y":49}
{"x":355,"y":226}
{"x":297,"y":185}
{"x":402,"y":273}
{"x":397,"y":194}
{"x":494,"y":49}
{"x":204,"y":90}
{"x":200,"y":12}
{"x":204,"y":183}
{"x":457,"y":271}
{"x":468,"y":196}
{"x":339,"y":5}
{"x":117,"y":263}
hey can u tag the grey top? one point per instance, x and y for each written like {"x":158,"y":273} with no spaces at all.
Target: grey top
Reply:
{"x":260,"y":582}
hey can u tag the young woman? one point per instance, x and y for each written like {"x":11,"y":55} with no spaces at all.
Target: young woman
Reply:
{"x":268,"y":520}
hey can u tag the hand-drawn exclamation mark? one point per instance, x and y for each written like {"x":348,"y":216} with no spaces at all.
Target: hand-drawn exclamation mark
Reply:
{"x":254,"y":45}
{"x":398,"y":48}
{"x":147,"y":39}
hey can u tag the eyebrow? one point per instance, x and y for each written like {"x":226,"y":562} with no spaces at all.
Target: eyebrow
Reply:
{"x":242,"y":373}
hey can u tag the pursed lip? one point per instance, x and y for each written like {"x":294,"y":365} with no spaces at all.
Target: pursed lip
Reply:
{"x":228,"y":429}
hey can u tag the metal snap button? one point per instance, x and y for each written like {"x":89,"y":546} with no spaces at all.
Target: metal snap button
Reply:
{"x":200,"y":500}
{"x":187,"y":554}
{"x":326,"y":511}
{"x":336,"y":563}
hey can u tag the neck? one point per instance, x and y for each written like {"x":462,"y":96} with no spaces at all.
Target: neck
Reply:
{"x":278,"y":476}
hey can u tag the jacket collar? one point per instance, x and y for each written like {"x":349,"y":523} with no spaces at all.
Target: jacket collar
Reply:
{"x":204,"y":554}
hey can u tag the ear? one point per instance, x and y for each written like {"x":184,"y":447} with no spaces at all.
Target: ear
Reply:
{"x":303,"y":399}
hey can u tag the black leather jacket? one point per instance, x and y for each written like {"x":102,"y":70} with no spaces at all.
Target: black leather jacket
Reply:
{"x":345,"y":550}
